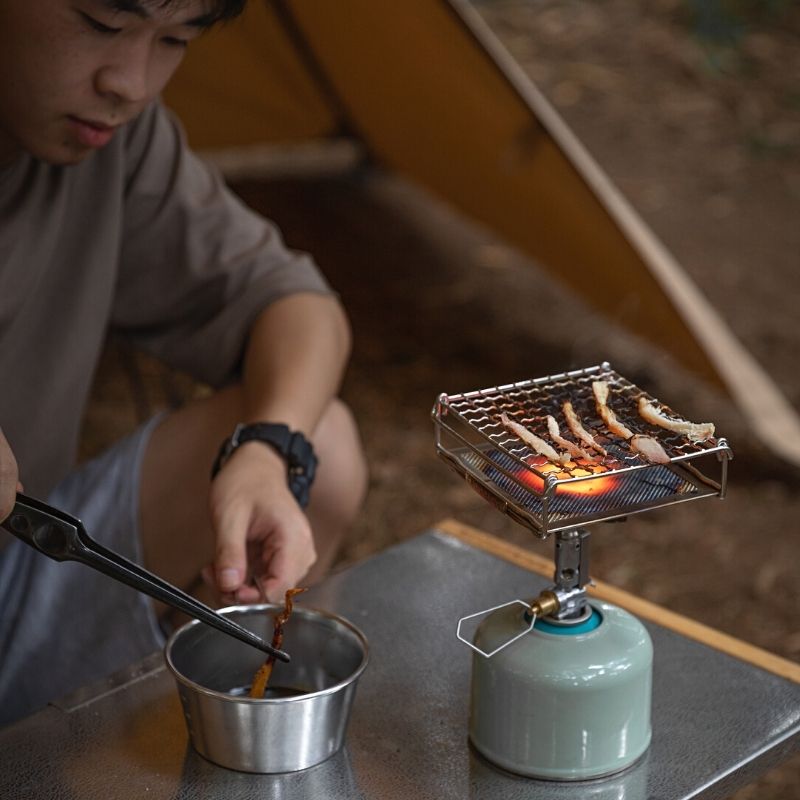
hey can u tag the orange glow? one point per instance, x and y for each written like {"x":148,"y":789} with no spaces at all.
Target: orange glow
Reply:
{"x":589,"y":487}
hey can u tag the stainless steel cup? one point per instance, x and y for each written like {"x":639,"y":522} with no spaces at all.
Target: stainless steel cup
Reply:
{"x":304,"y":722}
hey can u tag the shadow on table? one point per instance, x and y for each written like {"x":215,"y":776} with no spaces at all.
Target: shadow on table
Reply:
{"x":332,"y":778}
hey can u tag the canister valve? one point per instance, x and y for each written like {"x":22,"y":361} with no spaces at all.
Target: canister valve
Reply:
{"x":545,"y":605}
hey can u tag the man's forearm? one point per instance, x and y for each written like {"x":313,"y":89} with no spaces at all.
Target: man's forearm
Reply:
{"x":295,"y":358}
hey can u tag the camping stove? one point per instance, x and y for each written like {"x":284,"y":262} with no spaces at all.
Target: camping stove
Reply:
{"x":561,"y":683}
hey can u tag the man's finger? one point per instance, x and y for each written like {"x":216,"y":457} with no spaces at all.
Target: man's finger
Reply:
{"x":275,"y":589}
{"x":230,"y":564}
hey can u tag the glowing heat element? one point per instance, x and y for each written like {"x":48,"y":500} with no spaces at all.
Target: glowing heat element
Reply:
{"x":591,"y":487}
{"x":601,"y":485}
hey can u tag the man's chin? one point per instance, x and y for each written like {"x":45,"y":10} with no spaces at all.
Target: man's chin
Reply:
{"x":65,"y":155}
{"x":56,"y":143}
{"x":58,"y":149}
{"x":72,"y":160}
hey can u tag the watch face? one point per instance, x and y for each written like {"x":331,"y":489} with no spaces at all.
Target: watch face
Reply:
{"x":301,"y":461}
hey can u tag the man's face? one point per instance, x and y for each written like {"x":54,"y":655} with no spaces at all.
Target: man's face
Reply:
{"x":72,"y":71}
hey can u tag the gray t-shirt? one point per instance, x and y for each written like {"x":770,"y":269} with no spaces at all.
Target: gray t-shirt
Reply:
{"x":143,"y":239}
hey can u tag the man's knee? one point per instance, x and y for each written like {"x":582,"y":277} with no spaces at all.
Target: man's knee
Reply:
{"x":341,"y":481}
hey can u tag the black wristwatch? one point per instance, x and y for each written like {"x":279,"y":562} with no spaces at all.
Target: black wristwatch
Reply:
{"x":296,"y":450}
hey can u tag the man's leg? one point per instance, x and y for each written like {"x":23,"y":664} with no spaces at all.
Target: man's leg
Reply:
{"x":174,"y":516}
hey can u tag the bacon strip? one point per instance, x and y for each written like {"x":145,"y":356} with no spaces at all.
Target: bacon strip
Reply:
{"x":646,"y":446}
{"x":696,"y":431}
{"x":570,"y":447}
{"x":650,"y":448}
{"x":538,"y":445}
{"x":600,"y":390}
{"x":261,"y":679}
{"x":574,"y":423}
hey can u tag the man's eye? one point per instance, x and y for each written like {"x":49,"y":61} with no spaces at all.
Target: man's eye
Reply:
{"x":98,"y":26}
{"x":175,"y":41}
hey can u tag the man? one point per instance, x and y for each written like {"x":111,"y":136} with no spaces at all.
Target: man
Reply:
{"x":108,"y":222}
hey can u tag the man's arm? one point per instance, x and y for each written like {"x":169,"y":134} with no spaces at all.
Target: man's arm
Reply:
{"x":295,"y":357}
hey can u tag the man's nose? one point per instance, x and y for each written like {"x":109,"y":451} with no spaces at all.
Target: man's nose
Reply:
{"x":127,"y":78}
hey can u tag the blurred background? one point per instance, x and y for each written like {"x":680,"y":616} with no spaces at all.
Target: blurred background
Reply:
{"x":692,"y":109}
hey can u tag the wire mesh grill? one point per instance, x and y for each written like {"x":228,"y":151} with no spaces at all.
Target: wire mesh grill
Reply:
{"x":545,"y":497}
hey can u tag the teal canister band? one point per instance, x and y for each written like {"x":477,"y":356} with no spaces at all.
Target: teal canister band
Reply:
{"x":586,"y":626}
{"x":562,"y":707}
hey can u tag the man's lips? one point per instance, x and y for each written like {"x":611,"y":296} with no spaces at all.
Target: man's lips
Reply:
{"x":90,"y":133}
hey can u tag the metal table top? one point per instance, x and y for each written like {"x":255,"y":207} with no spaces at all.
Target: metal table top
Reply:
{"x":717,"y":721}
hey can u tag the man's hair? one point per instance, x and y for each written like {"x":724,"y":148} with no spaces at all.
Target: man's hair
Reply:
{"x":219,"y":10}
{"x":227,"y":9}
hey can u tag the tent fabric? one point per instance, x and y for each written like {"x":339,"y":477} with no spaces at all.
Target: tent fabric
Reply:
{"x":431,"y":94}
{"x":245,"y":83}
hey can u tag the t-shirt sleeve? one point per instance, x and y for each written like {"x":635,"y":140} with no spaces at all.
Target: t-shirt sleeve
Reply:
{"x":196,"y":265}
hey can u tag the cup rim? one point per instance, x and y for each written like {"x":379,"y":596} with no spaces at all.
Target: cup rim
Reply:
{"x":263,"y":607}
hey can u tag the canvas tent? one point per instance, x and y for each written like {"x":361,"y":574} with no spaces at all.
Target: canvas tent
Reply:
{"x":430,"y":93}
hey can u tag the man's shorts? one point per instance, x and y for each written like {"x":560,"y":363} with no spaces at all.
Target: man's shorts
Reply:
{"x":63,"y":624}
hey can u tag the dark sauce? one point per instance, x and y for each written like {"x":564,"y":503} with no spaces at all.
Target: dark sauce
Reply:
{"x":272,"y":693}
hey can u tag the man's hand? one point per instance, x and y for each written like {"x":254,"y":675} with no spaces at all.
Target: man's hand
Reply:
{"x":9,"y":478}
{"x":293,"y":365}
{"x":262,"y":534}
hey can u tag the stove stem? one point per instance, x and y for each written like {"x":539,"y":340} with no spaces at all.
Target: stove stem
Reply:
{"x":565,"y":601}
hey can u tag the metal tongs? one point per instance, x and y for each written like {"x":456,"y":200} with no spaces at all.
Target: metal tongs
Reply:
{"x":63,"y":538}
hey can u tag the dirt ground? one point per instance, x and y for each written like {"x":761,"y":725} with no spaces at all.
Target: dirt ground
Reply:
{"x":705,"y":143}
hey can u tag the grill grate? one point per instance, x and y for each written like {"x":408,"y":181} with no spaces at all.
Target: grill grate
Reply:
{"x":471,"y":438}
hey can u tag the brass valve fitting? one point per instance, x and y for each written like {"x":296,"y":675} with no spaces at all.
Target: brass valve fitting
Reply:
{"x":545,"y":604}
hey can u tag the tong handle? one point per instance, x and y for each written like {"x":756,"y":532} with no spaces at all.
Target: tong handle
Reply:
{"x":44,"y":528}
{"x":63,"y":538}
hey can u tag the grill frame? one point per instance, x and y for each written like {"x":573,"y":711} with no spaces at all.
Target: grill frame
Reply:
{"x":471,"y":439}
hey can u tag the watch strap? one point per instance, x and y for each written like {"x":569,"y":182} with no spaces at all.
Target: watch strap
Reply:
{"x":292,"y":446}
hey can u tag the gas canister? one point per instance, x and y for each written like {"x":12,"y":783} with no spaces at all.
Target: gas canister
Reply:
{"x":565,"y":701}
